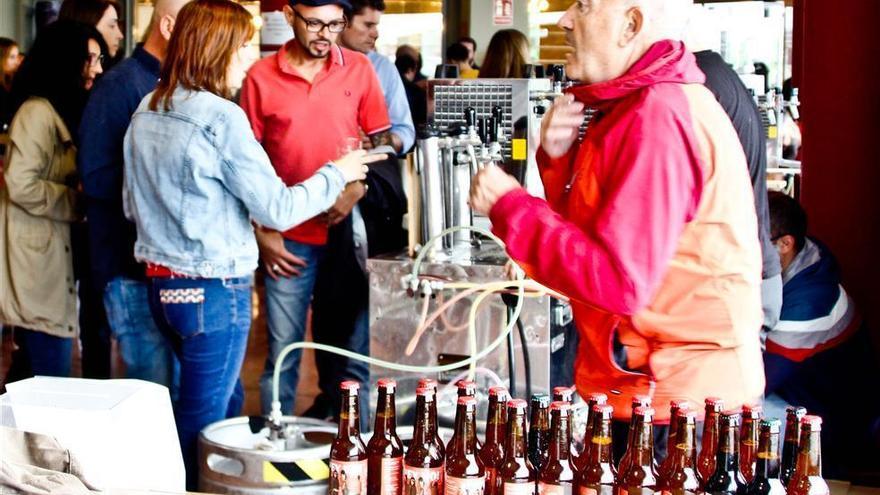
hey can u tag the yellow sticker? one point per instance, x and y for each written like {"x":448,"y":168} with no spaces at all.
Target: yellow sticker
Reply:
{"x":315,"y":469}
{"x":272,"y":475}
{"x":772,"y":132}
{"x":519,"y":150}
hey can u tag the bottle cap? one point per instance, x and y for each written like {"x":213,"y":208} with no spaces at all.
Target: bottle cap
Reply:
{"x":714,"y":401}
{"x":597,"y":398}
{"x":562,"y":391}
{"x":467,"y":401}
{"x":387,"y":383}
{"x":428,"y":383}
{"x":731,"y":417}
{"x":641,"y":400}
{"x":518,"y":404}
{"x":603,"y":409}
{"x":560,"y":406}
{"x":427,"y":393}
{"x":686,"y":413}
{"x":752,"y":411}
{"x":680,"y":404}
{"x":349,"y":385}
{"x":811,"y":421}
{"x":646,"y":412}
{"x":799,"y":411}
{"x":497,"y":392}
{"x":771,"y":424}
{"x":541,"y":400}
{"x":466,"y":386}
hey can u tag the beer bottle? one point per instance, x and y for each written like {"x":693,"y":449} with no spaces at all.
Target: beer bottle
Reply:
{"x":348,"y":455}
{"x":640,"y":474}
{"x":466,"y":388}
{"x":807,"y":478}
{"x":748,"y":440}
{"x":515,"y":474}
{"x":492,"y":453}
{"x":675,"y":405}
{"x":432,"y":384}
{"x":727,"y":478}
{"x":563,"y":394}
{"x":385,"y":450}
{"x":557,"y":472}
{"x":423,"y":462}
{"x":465,"y":474}
{"x":637,"y":402}
{"x":539,"y":430}
{"x":428,"y":383}
{"x":679,"y":471}
{"x":597,"y":474}
{"x":793,"y":417}
{"x":766,"y":480}
{"x":593,"y":399}
{"x":709,"y":445}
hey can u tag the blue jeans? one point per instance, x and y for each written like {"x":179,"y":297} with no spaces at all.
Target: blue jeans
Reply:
{"x":207,"y":323}
{"x":287,"y":305}
{"x":146,"y":352}
{"x":39,"y":353}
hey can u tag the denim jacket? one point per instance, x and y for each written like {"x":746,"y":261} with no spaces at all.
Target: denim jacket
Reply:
{"x":195,"y":176}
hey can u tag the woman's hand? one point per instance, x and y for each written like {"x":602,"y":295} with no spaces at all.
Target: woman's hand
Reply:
{"x":353,"y":164}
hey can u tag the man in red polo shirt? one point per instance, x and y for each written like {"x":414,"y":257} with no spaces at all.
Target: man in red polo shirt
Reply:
{"x":306,"y":104}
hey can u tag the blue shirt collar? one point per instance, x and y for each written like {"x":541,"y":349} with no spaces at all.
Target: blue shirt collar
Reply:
{"x":149,"y":62}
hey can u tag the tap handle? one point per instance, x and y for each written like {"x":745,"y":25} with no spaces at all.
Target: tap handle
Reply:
{"x":491,"y":130}
{"x":481,"y":130}
{"x":470,"y":116}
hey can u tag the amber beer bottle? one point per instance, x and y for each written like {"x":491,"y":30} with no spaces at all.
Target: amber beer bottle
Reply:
{"x":348,"y":455}
{"x":637,"y":402}
{"x":466,"y":388}
{"x":807,"y":478}
{"x":556,"y":477}
{"x":679,"y":470}
{"x":727,"y":478}
{"x":593,"y":399}
{"x":385,"y":450}
{"x":766,"y":480}
{"x":748,"y":440}
{"x":539,"y":430}
{"x":465,"y":473}
{"x":492,"y":453}
{"x":423,"y":470}
{"x":563,"y":394}
{"x":515,"y":474}
{"x":675,"y":405}
{"x":640,"y":474}
{"x":598,"y":474}
{"x":793,"y":417}
{"x":709,"y":446}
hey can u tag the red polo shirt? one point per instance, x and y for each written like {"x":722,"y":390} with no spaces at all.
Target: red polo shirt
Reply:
{"x":302,"y":125}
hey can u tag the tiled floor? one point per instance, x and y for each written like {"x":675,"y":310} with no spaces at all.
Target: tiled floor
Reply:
{"x":253,"y":365}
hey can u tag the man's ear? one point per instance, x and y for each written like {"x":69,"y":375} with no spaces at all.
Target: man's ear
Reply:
{"x":288,"y":14}
{"x":166,"y":26}
{"x":786,"y":244}
{"x":634,"y":23}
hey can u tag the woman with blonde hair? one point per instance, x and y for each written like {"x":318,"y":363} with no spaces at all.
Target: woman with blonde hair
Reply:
{"x":195,"y":179}
{"x":506,"y":56}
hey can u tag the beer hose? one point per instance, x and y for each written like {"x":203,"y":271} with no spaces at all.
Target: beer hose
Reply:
{"x":524,"y":288}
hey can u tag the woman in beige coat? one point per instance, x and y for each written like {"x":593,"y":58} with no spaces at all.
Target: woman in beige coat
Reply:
{"x":39,"y":199}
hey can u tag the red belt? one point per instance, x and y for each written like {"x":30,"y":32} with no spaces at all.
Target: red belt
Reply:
{"x":159,"y":271}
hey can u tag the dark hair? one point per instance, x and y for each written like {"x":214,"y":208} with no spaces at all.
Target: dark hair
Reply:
{"x":405,"y":63}
{"x":506,"y":55}
{"x":787,"y":218}
{"x":457,"y":52}
{"x":6,"y":46}
{"x":53,"y":69}
{"x":206,"y":35}
{"x":87,"y":11}
{"x":468,"y":39}
{"x":358,"y":6}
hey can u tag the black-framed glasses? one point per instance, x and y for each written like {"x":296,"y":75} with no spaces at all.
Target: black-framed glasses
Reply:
{"x":317,"y":25}
{"x":95,"y":59}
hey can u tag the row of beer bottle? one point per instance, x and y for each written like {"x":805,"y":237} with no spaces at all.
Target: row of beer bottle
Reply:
{"x":504,"y":465}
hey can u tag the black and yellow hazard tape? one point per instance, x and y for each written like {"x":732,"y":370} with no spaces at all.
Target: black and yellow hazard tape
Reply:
{"x":299,"y":470}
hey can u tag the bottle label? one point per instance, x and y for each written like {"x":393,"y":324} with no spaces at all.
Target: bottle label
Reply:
{"x":391,"y":467}
{"x":548,"y":489}
{"x":465,"y":486}
{"x":349,"y":478}
{"x":587,"y":491}
{"x":519,"y":489}
{"x":423,"y":481}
